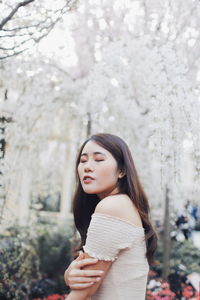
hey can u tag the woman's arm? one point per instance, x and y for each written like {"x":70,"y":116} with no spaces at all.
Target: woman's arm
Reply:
{"x":76,"y":277}
{"x":108,"y":246}
{"x":86,"y":293}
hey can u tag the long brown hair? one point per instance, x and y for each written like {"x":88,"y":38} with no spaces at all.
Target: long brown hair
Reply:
{"x":84,"y":204}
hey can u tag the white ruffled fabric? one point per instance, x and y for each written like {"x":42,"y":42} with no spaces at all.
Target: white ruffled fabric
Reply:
{"x":112,"y":239}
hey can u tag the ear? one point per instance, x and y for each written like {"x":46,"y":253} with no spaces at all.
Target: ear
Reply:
{"x":121,"y":174}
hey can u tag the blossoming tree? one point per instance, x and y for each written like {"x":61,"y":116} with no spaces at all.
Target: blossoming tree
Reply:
{"x":134,"y":76}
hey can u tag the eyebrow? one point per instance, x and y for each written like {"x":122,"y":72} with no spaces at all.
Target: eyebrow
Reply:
{"x":85,"y":154}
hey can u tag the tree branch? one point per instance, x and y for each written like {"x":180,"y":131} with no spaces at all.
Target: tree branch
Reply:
{"x":13,"y":54}
{"x":11,"y":14}
{"x":13,"y":39}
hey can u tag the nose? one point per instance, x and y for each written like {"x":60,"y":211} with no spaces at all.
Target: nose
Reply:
{"x":88,"y":167}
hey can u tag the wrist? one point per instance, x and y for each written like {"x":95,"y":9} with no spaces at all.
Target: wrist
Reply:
{"x":75,"y":295}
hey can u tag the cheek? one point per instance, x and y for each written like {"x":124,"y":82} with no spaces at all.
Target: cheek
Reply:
{"x":109,"y":172}
{"x":79,"y":170}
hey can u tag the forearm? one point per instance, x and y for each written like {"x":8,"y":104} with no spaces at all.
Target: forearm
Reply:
{"x":78,"y":295}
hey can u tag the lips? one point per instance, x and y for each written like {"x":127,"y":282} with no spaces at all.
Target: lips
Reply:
{"x":87,"y":177}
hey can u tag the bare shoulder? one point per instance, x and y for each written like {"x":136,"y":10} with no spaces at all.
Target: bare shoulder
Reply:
{"x":120,"y":206}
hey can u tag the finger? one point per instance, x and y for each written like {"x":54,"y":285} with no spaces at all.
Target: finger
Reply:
{"x":85,"y":262}
{"x":81,"y":285}
{"x":80,"y":256}
{"x":87,"y":273}
{"x":84,"y":280}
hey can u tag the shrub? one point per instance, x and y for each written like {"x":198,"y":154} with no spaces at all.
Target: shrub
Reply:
{"x":184,"y":253}
{"x":19,"y":263}
{"x":33,"y":260}
{"x":54,"y":250}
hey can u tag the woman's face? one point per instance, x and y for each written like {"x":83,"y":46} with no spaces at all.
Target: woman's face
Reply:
{"x":101,"y":166}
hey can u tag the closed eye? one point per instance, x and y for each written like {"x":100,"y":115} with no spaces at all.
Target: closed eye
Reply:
{"x":83,"y":161}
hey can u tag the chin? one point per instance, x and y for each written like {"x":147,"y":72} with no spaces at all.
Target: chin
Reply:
{"x":90,"y":191}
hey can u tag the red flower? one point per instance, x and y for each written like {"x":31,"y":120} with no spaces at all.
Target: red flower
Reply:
{"x":150,"y":295}
{"x":165,"y":285}
{"x":53,"y":297}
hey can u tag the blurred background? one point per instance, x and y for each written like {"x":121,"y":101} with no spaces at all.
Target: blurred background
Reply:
{"x":69,"y":69}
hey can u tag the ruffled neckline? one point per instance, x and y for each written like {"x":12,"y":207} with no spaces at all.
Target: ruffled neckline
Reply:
{"x":119,"y":219}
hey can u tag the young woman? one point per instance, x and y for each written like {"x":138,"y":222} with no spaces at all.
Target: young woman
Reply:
{"x":111,"y":213}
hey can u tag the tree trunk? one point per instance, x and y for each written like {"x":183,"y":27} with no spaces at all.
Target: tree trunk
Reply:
{"x":69,"y":171}
{"x":166,"y":238}
{"x":25,"y":196}
{"x":89,"y":125}
{"x":3,"y":121}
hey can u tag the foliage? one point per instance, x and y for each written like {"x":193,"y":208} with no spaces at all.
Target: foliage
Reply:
{"x":184,"y":261}
{"x":55,"y":254}
{"x":184,"y":253}
{"x":163,"y":292}
{"x":32,"y":262}
{"x":19,"y":262}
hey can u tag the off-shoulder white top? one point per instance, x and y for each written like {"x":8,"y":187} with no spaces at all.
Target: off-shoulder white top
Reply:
{"x":113,"y":239}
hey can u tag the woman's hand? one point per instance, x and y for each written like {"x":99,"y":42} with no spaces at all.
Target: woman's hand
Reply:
{"x":76,"y":278}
